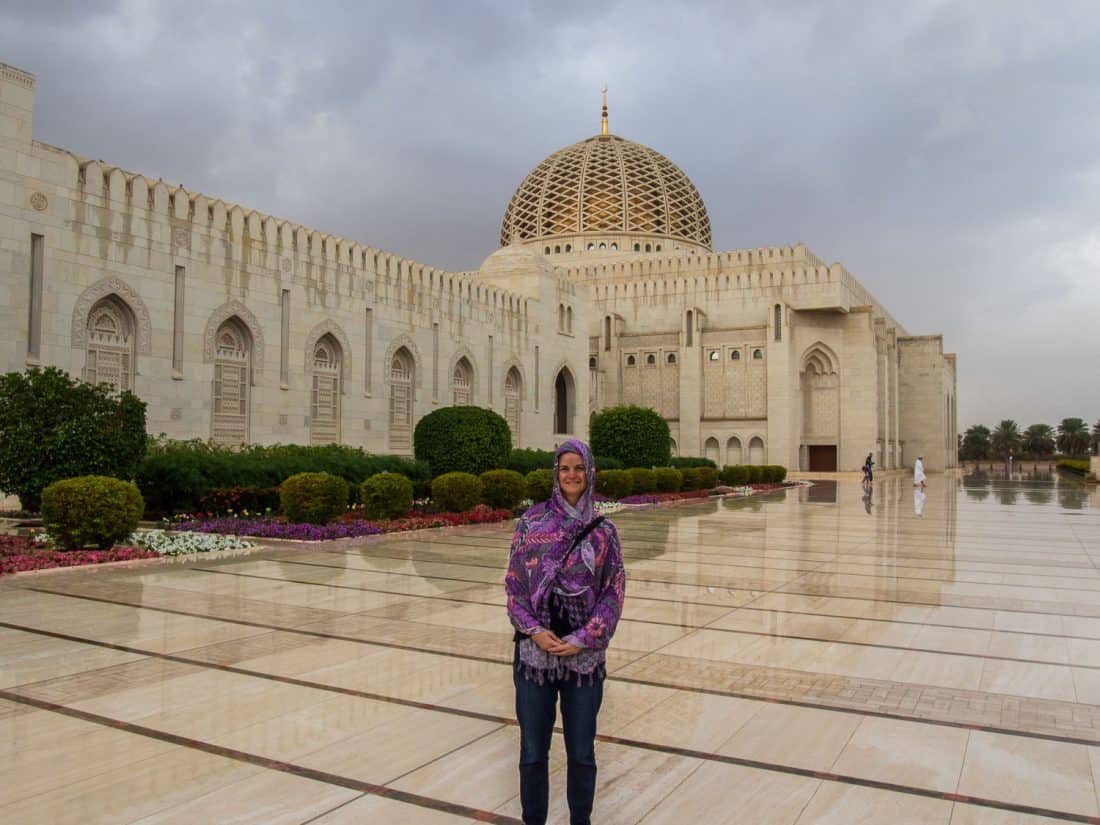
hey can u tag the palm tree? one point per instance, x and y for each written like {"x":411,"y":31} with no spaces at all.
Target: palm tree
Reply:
{"x":1005,"y":440}
{"x":1096,"y":438}
{"x":1038,"y":440}
{"x":1073,"y":437}
{"x":975,"y":444}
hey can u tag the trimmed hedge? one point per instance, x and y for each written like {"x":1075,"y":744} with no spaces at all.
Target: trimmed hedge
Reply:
{"x":699,"y":478}
{"x":756,"y":474}
{"x":386,"y":495}
{"x":97,"y":510}
{"x":741,"y":474}
{"x":313,"y":498}
{"x":686,"y":462}
{"x":175,"y":475}
{"x":669,"y":479}
{"x":608,"y":463}
{"x":456,"y":492}
{"x":1075,"y":466}
{"x":614,"y":483}
{"x":635,"y":436}
{"x":735,"y":475}
{"x":462,"y":439}
{"x":524,"y":461}
{"x":540,"y":485}
{"x":645,"y":480}
{"x":502,"y":489}
{"x":778,"y":473}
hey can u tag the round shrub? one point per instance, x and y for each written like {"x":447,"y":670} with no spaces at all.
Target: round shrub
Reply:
{"x":502,"y":488}
{"x":735,"y":475}
{"x":462,"y":439}
{"x":540,"y":484}
{"x":775,"y":473}
{"x":524,"y":461}
{"x":636,"y":436}
{"x":645,"y":480}
{"x":614,"y":483}
{"x":386,"y":495}
{"x":97,"y":510}
{"x":313,"y":498}
{"x":756,"y":474}
{"x":456,"y":492}
{"x":691,"y":479}
{"x":669,"y":479}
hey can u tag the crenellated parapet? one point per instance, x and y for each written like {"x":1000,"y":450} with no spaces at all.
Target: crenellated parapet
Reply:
{"x":137,"y":210}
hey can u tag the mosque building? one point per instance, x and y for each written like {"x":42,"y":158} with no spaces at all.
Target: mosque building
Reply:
{"x":241,"y":327}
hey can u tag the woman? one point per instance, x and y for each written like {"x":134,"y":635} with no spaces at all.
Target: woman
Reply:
{"x":565,"y":587}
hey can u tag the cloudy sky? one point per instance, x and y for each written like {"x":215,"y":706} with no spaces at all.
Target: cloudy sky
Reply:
{"x":947,"y":153}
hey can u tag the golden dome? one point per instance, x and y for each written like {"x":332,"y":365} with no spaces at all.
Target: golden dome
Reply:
{"x":606,"y":186}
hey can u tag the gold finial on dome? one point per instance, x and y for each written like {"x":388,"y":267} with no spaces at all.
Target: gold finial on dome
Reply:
{"x":603,"y":119}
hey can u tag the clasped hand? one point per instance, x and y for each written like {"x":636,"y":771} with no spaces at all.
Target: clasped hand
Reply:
{"x":549,"y":641}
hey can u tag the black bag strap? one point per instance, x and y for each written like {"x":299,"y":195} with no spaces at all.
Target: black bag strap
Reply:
{"x":581,"y":536}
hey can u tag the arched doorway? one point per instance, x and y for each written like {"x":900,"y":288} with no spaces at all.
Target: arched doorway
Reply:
{"x":710,"y":450}
{"x":324,"y":414}
{"x":756,"y":450}
{"x":513,"y":390}
{"x":232,"y":381}
{"x":402,"y":379}
{"x":565,"y":402}
{"x":733,"y":451}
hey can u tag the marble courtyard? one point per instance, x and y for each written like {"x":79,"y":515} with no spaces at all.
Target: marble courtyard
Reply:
{"x":814,"y":656}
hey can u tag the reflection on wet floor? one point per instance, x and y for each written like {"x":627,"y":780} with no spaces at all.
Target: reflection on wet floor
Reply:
{"x":834,"y":653}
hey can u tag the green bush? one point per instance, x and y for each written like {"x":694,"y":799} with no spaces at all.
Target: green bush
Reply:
{"x":776,"y":473}
{"x":608,"y":463}
{"x":756,"y":474}
{"x":175,"y":475}
{"x":614,"y":483}
{"x":635,"y":436}
{"x":685,"y":462}
{"x":238,"y":499}
{"x":524,"y":461}
{"x":699,"y":478}
{"x":540,"y":484}
{"x":97,"y":510}
{"x":645,"y":480}
{"x":54,"y":427}
{"x":456,"y":492}
{"x":462,"y":439}
{"x":386,"y":495}
{"x":313,"y":498}
{"x":735,"y":475}
{"x":669,"y":479}
{"x":502,"y":488}
{"x":1075,"y":466}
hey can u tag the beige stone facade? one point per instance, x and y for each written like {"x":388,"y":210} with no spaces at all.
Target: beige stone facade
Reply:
{"x":239,"y":326}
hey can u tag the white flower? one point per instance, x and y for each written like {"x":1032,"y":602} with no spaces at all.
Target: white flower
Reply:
{"x":180,"y":544}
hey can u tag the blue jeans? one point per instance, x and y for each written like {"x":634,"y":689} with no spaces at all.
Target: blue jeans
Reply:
{"x":536,"y":709}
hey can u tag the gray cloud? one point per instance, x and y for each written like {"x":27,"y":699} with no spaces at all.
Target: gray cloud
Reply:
{"x":945,"y":152}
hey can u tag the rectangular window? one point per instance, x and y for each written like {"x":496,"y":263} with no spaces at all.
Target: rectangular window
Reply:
{"x":284,"y":339}
{"x":34,"y":320}
{"x":368,"y":330}
{"x":177,"y":324}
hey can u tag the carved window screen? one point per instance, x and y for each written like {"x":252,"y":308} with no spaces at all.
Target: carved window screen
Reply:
{"x":232,"y":368}
{"x":324,"y":413}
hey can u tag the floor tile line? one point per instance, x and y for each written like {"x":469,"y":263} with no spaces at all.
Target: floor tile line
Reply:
{"x":634,"y":680}
{"x":729,"y":607}
{"x":503,"y":722}
{"x":333,"y":810}
{"x":264,"y":762}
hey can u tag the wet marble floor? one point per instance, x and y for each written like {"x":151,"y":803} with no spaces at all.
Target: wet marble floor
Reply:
{"x":824,"y":655}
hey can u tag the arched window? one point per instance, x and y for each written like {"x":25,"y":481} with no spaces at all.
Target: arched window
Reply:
{"x":109,"y":358}
{"x":733,"y":451}
{"x":637,"y":247}
{"x":557,"y":249}
{"x":232,"y":381}
{"x":614,"y":247}
{"x":712,"y":355}
{"x":671,"y":359}
{"x":658,"y":247}
{"x":648,"y":248}
{"x":513,"y":397}
{"x":651,"y":358}
{"x":735,"y":355}
{"x":569,"y":247}
{"x":592,"y":363}
{"x":561,"y":317}
{"x":569,"y":320}
{"x":756,"y":450}
{"x":672,"y":446}
{"x":690,"y":328}
{"x":710,"y":449}
{"x":402,"y":381}
{"x":324,"y":413}
{"x":591,"y":246}
{"x":631,"y":360}
{"x":603,"y":245}
{"x":758,"y":355}
{"x":546,"y":251}
{"x":778,"y":322}
{"x":462,"y":382}
{"x":564,"y":402}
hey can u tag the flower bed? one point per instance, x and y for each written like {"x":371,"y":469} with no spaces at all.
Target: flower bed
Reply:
{"x":19,"y":554}
{"x":184,"y":544}
{"x":349,"y":526}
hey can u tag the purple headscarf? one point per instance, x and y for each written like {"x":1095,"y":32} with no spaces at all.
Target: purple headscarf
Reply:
{"x":588,"y":579}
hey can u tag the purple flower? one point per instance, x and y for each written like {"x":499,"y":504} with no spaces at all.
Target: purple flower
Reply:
{"x":269,"y":528}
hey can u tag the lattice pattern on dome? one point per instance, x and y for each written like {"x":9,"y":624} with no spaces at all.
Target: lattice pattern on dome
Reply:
{"x":606,"y":184}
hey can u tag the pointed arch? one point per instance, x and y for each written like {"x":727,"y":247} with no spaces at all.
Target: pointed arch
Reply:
{"x":124,"y":293}
{"x":109,"y":357}
{"x":326,"y":390}
{"x":565,"y":399}
{"x":821,"y":358}
{"x":230,"y":403}
{"x":406,"y":342}
{"x":466,"y":384}
{"x":219,"y":316}
{"x":734,"y":451}
{"x":330,"y":327}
